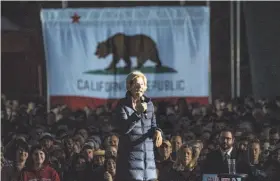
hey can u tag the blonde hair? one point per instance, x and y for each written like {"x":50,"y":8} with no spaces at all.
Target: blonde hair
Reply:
{"x":178,"y":165}
{"x":134,"y":75}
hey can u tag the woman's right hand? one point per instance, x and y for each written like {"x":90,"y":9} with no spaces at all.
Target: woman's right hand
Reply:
{"x":108,"y":176}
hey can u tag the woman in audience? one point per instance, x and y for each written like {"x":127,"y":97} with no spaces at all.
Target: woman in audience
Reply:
{"x":185,"y":166}
{"x":39,"y":168}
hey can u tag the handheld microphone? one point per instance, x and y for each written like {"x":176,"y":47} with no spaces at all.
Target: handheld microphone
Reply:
{"x":142,"y":99}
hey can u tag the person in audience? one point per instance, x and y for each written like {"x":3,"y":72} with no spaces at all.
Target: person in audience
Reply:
{"x":47,"y":141}
{"x":12,"y":172}
{"x":110,"y":169}
{"x":185,"y":166}
{"x":176,"y":142}
{"x":98,"y":158}
{"x":165,"y":162}
{"x":39,"y":169}
{"x":111,"y":151}
{"x":77,"y":171}
{"x":243,"y":144}
{"x":273,"y":137}
{"x":216,"y":161}
{"x":88,"y":150}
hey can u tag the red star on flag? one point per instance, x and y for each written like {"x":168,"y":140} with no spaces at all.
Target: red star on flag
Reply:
{"x":75,"y":18}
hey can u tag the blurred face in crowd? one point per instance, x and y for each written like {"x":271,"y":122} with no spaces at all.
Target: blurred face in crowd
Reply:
{"x":14,"y":115}
{"x":47,"y":143}
{"x":137,"y":87}
{"x":69,"y":143}
{"x":196,"y":112}
{"x":197,"y":148}
{"x":188,"y":136}
{"x":88,"y":152}
{"x":265,"y":133}
{"x":217,"y":104}
{"x":204,"y":110}
{"x":203,"y":154}
{"x":265,"y":109}
{"x":98,"y":160}
{"x":15,"y":104}
{"x":83,"y":132}
{"x":111,"y":152}
{"x":211,"y":147}
{"x":226,"y":140}
{"x":243,"y":145}
{"x":79,"y":138}
{"x":165,"y":150}
{"x":3,"y":97}
{"x":205,"y":136}
{"x":220,"y":126}
{"x":246,"y":126}
{"x":250,"y":136}
{"x":274,"y":138}
{"x":111,"y":166}
{"x":38,"y":133}
{"x":59,"y":154}
{"x":186,"y":156}
{"x":176,"y":143}
{"x":76,"y":147}
{"x":113,"y":140}
{"x":9,"y":112}
{"x":21,"y":155}
{"x":265,"y":146}
{"x":255,"y":151}
{"x":81,"y":164}
{"x":238,"y":134}
{"x":276,"y":155}
{"x":170,"y":110}
{"x":230,"y":107}
{"x":8,"y":103}
{"x":258,"y":114}
{"x":38,"y":157}
{"x":99,"y":110}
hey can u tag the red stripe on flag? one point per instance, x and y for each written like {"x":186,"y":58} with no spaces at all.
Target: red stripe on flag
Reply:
{"x":77,"y":102}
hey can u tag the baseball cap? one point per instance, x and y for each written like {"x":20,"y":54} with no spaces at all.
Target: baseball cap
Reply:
{"x":99,"y":153}
{"x":88,"y":145}
{"x":47,"y":136}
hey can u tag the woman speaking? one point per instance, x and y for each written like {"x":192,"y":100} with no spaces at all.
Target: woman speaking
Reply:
{"x":136,"y":120}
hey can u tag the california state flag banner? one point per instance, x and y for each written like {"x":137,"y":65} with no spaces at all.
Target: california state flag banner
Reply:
{"x":89,"y":53}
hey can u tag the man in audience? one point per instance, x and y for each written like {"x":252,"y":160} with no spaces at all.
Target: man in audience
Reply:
{"x":217,"y":161}
{"x":165,"y":162}
{"x":176,"y":142}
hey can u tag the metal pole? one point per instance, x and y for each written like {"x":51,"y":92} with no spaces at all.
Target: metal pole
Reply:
{"x":238,"y":8}
{"x":232,"y":47}
{"x":64,"y":3}
{"x":40,"y":80}
{"x":210,"y":98}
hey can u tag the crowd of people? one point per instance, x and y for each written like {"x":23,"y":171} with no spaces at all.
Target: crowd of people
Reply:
{"x":82,"y":145}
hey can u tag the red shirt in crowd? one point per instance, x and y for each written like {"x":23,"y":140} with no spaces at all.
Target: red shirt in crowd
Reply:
{"x":45,"y":174}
